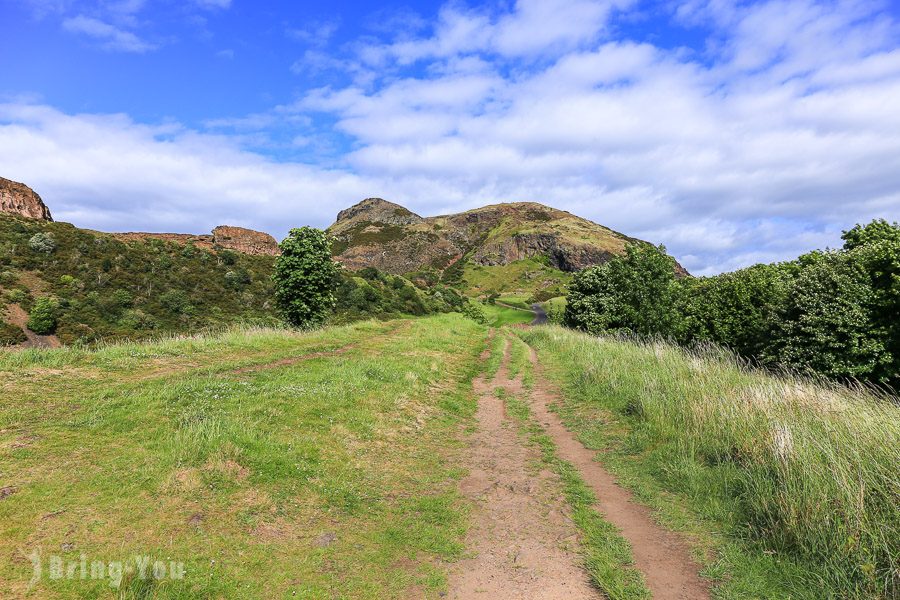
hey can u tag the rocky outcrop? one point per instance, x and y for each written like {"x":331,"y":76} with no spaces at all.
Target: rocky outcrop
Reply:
{"x":376,"y":210}
{"x":238,"y":239}
{"x":19,"y":199}
{"x":243,"y":240}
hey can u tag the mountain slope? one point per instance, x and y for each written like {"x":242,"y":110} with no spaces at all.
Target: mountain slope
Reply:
{"x":521,"y":246}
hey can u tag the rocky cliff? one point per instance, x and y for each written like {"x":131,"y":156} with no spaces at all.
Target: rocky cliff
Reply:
{"x":19,"y":199}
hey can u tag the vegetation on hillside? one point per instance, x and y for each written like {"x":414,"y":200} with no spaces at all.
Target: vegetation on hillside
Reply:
{"x":832,"y":312}
{"x":85,"y":286}
{"x":792,"y":483}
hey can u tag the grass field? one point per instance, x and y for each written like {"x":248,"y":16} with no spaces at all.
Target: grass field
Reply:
{"x":327,"y":464}
{"x":270,"y":463}
{"x":789,"y":487}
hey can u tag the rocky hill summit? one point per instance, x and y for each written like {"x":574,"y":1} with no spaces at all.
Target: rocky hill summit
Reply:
{"x":381,"y":234}
{"x":19,"y":199}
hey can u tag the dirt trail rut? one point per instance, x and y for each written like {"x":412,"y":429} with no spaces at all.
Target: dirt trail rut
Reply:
{"x":524,"y":545}
{"x":661,"y":555}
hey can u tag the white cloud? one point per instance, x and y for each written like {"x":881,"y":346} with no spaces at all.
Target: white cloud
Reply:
{"x":112,"y":37}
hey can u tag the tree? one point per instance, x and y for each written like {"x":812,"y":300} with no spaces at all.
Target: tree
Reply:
{"x":827,"y":322}
{"x":876,"y":231}
{"x":733,"y":309}
{"x":43,"y":315}
{"x":633,"y":293}
{"x":305,"y":277}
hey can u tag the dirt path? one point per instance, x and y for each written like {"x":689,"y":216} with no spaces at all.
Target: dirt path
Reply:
{"x":661,"y":555}
{"x":17,"y":316}
{"x":524,"y":545}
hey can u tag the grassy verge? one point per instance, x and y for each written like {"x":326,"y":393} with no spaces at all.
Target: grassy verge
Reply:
{"x":790,"y":485}
{"x":269,"y":463}
{"x":608,"y":556}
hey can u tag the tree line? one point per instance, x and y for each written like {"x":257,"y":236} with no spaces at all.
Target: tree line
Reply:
{"x":832,"y":312}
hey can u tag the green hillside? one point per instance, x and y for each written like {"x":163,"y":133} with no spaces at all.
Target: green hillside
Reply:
{"x":99,"y":286}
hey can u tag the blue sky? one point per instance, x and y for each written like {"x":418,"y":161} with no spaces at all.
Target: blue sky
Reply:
{"x":732,"y":131}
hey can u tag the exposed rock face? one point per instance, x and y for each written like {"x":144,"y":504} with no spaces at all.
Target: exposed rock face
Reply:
{"x":238,"y":239}
{"x":19,"y":199}
{"x":385,"y":235}
{"x":243,"y":240}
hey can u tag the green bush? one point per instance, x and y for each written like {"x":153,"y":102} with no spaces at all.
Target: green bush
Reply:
{"x":633,"y":293}
{"x":43,"y":316}
{"x":474,"y":311}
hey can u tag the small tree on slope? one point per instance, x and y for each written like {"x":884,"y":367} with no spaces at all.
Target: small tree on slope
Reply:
{"x":305,"y":277}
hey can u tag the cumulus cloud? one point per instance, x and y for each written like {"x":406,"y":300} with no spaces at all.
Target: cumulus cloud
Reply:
{"x":778,"y":130}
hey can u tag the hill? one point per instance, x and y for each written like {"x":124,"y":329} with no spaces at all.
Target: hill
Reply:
{"x":516,"y":247}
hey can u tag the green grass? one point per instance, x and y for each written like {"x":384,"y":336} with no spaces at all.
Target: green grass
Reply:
{"x":332,"y":476}
{"x":521,"y":277}
{"x":789,"y":486}
{"x":498,"y":316}
{"x":517,"y":300}
{"x":608,"y":557}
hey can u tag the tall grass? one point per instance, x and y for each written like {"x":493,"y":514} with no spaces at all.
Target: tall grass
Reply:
{"x":806,"y":469}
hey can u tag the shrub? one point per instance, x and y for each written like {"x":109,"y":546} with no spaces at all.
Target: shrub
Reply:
{"x":826,"y":323}
{"x":43,"y":315}
{"x":176,"y":302}
{"x":42,"y":242}
{"x":305,"y":277}
{"x":10,"y":334}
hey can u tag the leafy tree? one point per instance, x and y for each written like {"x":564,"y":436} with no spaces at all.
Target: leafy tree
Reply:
{"x":827,"y":321}
{"x":877,"y":231}
{"x":305,"y":277}
{"x":43,"y":316}
{"x":633,"y":293}
{"x":733,"y":309}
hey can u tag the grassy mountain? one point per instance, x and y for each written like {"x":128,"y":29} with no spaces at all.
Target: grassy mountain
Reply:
{"x":517,"y":247}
